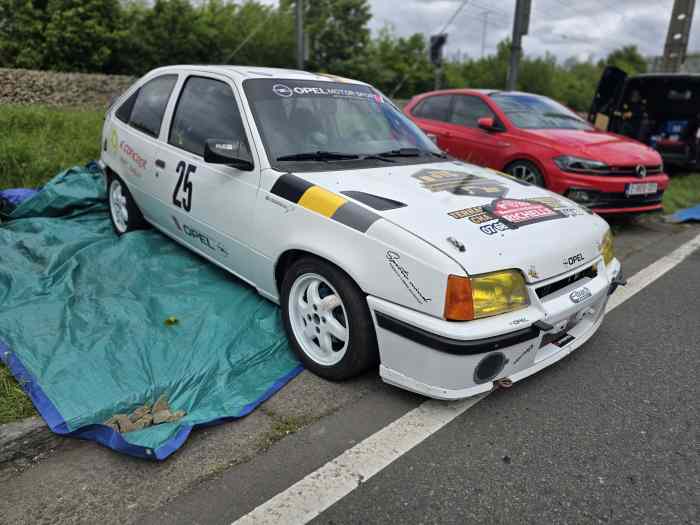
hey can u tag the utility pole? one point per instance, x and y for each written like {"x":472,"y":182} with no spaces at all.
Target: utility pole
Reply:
{"x":678,"y":35}
{"x":521,"y":25}
{"x":300,"y":34}
{"x":483,"y":33}
{"x":437,"y":42}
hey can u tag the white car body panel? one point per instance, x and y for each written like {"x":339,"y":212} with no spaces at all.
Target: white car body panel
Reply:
{"x":245,"y":221}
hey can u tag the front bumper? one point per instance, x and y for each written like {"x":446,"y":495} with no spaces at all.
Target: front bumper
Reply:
{"x":607,"y":194}
{"x":445,"y":360}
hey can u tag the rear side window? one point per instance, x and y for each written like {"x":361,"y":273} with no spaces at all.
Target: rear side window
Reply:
{"x":434,"y":108}
{"x":124,"y":111}
{"x":206,"y":110}
{"x":149,"y":106}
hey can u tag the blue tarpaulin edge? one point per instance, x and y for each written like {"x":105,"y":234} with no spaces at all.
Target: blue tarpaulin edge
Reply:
{"x":107,"y":436}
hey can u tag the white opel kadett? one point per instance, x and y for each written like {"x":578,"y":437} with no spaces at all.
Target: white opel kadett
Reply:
{"x":379,"y":248}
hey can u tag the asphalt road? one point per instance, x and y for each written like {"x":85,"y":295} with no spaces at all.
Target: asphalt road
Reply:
{"x":609,"y":434}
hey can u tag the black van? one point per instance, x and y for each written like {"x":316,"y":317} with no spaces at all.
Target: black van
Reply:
{"x":659,"y":109}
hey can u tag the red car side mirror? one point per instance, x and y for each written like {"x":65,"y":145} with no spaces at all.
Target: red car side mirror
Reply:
{"x":486,"y":123}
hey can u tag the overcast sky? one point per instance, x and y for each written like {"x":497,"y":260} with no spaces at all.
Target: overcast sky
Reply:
{"x":566,"y":28}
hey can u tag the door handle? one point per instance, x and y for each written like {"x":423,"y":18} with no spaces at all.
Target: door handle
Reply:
{"x":160,"y":164}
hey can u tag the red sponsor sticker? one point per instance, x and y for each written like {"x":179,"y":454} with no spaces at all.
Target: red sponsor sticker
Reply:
{"x":518,"y":212}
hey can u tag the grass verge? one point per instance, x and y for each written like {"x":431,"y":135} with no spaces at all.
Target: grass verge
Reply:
{"x":683,"y":192}
{"x":14,"y":404}
{"x":36,"y":142}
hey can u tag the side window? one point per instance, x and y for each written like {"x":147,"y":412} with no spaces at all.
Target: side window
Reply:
{"x":467,"y":110}
{"x":124,"y":111}
{"x":149,"y":105}
{"x":206,"y":110}
{"x":434,"y":108}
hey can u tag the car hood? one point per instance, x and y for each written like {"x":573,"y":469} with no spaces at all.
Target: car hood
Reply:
{"x":612,"y":149}
{"x":502,"y":223}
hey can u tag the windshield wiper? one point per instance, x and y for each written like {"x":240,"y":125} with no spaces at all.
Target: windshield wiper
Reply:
{"x":319,"y":155}
{"x":410,"y":152}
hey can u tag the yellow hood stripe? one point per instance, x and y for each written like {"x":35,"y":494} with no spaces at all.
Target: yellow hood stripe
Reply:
{"x":321,"y":201}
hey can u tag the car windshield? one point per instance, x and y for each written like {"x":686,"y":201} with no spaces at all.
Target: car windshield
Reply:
{"x":332,"y":123}
{"x":535,"y":112}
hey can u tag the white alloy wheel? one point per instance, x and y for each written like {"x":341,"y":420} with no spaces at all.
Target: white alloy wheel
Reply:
{"x":318,"y":319}
{"x":118,"y":207}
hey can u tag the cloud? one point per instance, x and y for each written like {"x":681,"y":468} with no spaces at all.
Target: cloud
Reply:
{"x":564,"y":28}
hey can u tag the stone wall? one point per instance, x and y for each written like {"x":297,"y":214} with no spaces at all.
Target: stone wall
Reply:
{"x":21,"y":86}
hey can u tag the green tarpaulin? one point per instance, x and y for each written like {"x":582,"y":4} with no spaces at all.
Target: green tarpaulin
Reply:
{"x":83,"y":323}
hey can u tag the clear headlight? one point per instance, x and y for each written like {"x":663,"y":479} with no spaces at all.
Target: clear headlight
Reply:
{"x":579,"y":164}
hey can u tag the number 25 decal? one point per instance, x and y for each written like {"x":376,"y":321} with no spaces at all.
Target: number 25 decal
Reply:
{"x":184,"y":186}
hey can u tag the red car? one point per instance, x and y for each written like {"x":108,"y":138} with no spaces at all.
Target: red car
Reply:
{"x":542,"y":142}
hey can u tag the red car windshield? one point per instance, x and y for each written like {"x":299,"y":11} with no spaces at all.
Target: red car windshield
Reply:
{"x":535,"y":112}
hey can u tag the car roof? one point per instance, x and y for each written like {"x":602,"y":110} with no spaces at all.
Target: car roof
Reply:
{"x":666,"y":75}
{"x":462,"y":91}
{"x":246,"y":72}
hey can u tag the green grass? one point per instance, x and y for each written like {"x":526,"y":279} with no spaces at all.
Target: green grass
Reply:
{"x":14,"y":404}
{"x":683,"y":192}
{"x":36,"y":142}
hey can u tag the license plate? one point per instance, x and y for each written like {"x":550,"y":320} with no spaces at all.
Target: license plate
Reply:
{"x":644,"y":188}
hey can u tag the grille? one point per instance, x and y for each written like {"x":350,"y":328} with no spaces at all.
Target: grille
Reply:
{"x":549,"y":289}
{"x":630,"y":171}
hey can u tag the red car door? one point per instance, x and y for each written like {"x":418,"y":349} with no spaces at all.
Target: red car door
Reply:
{"x":467,"y":140}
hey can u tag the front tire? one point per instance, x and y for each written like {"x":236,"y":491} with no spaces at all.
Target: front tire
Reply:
{"x":327,"y":320}
{"x":123,"y":211}
{"x":526,"y":171}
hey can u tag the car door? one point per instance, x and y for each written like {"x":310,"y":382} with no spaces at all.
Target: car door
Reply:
{"x":432,"y":114}
{"x":469,"y":142}
{"x":210,"y":205}
{"x":133,"y":143}
{"x":607,"y":98}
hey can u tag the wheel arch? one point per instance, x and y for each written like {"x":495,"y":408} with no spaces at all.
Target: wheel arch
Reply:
{"x":532,"y":160}
{"x":291,"y":255}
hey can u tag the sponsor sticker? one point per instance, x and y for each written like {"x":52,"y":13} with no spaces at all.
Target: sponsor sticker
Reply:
{"x":580,"y":295}
{"x":403,"y":274}
{"x":460,"y":183}
{"x":521,"y":212}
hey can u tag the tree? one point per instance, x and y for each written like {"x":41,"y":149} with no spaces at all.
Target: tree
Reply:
{"x":628,"y":59}
{"x":21,"y":34}
{"x":79,"y":35}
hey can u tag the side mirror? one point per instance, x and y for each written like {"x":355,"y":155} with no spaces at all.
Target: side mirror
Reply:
{"x":487,"y":124}
{"x":229,"y":152}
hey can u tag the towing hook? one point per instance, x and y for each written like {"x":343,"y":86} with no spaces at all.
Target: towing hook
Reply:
{"x":618,"y":280}
{"x":504,"y":382}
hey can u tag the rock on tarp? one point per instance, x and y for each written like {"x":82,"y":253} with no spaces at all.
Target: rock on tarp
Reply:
{"x":82,"y":323}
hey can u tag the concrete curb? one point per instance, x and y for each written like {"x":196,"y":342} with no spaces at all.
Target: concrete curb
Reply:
{"x":25,"y":439}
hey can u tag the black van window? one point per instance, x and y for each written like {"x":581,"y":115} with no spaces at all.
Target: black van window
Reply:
{"x":149,"y":106}
{"x":206,"y":110}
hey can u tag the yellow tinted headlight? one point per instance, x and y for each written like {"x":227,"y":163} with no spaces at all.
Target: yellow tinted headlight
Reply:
{"x":606,"y":248}
{"x":498,"y":292}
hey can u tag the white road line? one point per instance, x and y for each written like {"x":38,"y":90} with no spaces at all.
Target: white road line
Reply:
{"x":313,"y":494}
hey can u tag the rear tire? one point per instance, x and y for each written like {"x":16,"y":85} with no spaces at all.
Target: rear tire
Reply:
{"x":123,"y":211}
{"x":526,"y":171}
{"x":327,"y":320}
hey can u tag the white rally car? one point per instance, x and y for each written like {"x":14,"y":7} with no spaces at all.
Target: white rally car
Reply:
{"x":379,"y":248}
